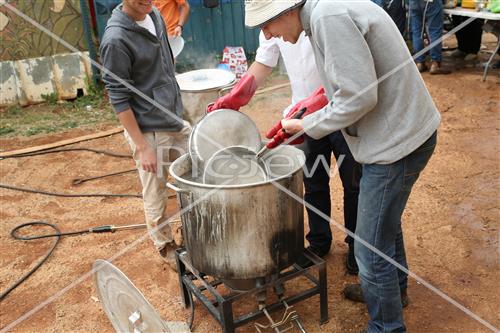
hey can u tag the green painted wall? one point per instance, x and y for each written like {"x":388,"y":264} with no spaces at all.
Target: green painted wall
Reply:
{"x":21,"y":40}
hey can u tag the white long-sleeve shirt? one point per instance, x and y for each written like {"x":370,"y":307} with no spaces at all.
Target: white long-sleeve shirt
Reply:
{"x":299,"y":63}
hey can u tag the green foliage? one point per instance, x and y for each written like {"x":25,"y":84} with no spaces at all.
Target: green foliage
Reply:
{"x":39,"y":129}
{"x":14,"y":110}
{"x":54,"y":116}
{"x":94,"y":97}
{"x":70,"y":124}
{"x":50,"y":98}
{"x":92,"y":88}
{"x":6,"y":130}
{"x":87,"y":112}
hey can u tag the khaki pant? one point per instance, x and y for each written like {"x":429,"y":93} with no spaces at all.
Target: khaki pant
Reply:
{"x":168,"y":146}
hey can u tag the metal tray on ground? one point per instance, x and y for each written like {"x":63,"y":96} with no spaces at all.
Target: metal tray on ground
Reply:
{"x":126,"y":307}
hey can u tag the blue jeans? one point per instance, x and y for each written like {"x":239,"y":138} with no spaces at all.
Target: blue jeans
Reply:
{"x":384,"y":192}
{"x":317,"y":187}
{"x":434,"y":26}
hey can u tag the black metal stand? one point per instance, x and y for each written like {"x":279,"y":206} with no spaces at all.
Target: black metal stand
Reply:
{"x":221,"y":307}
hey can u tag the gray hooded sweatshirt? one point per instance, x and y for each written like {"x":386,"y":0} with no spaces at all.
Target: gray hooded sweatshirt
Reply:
{"x":377,"y":96}
{"x":144,"y":61}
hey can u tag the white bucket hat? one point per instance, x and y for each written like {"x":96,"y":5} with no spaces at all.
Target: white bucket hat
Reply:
{"x":259,"y":12}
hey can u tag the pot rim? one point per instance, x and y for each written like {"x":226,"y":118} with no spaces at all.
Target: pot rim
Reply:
{"x":231,"y":79}
{"x":249,"y":185}
{"x":216,"y":89}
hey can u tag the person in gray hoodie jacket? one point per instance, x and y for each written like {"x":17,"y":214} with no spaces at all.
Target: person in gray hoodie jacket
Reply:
{"x":140,"y":79}
{"x":379,"y":101}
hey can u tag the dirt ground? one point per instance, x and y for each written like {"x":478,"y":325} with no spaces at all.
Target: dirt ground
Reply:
{"x":451,"y":227}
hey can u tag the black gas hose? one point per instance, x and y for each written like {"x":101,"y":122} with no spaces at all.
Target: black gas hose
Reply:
{"x":58,"y":234}
{"x":59,"y":150}
{"x":68,"y":195}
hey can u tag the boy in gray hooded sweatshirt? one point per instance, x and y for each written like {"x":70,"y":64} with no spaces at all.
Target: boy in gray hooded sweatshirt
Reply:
{"x":140,"y":81}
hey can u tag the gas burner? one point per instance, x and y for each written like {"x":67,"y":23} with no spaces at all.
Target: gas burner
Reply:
{"x":203,"y":287}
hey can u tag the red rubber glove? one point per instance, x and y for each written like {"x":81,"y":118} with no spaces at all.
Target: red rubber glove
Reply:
{"x":312,"y":103}
{"x":282,"y":136}
{"x":239,"y":96}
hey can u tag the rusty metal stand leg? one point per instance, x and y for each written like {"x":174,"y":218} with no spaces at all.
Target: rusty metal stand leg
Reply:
{"x":181,"y":271}
{"x":323,"y":295}
{"x":227,"y":317}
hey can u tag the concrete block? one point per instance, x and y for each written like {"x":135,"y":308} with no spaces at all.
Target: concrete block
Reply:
{"x":24,"y":82}
{"x":8,"y":82}
{"x":69,"y":75}
{"x":35,"y":78}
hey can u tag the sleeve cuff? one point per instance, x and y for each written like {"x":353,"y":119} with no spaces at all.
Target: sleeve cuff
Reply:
{"x":311,"y":128}
{"x":121,"y":106}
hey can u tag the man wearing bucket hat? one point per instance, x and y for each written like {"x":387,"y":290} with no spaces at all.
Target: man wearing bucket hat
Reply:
{"x":305,"y":81}
{"x":386,"y":115}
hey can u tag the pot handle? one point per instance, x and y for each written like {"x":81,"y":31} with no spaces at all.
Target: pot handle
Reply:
{"x":208,"y":105}
{"x":225,"y":89}
{"x":180,"y":192}
{"x":176,"y":189}
{"x":220,"y":92}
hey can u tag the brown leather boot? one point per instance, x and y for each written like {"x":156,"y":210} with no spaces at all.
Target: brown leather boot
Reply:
{"x":168,"y":255}
{"x":176,"y":228}
{"x":422,"y":67}
{"x":437,"y":69}
{"x":354,"y":293}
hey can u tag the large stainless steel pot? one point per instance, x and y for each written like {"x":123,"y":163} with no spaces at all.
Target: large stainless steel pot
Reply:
{"x":243,"y":232}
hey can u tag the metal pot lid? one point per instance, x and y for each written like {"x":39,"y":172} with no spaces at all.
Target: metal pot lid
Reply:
{"x":126,"y":307}
{"x":221,"y":129}
{"x":176,"y":44}
{"x":204,"y":79}
{"x":234,"y":166}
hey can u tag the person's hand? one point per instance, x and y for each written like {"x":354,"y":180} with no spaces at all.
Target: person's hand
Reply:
{"x":278,"y":133}
{"x":292,"y":126}
{"x":239,"y":96}
{"x":316,"y":101}
{"x":177,"y":31}
{"x":288,"y":128}
{"x":147,"y":157}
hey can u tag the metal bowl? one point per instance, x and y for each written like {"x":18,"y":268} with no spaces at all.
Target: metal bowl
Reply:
{"x":176,"y":44}
{"x":221,"y":129}
{"x":234,"y":165}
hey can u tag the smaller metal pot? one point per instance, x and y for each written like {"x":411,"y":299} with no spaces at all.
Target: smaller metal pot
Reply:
{"x":200,"y":88}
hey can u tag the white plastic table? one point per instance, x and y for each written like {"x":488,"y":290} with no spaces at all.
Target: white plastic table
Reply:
{"x":480,"y":15}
